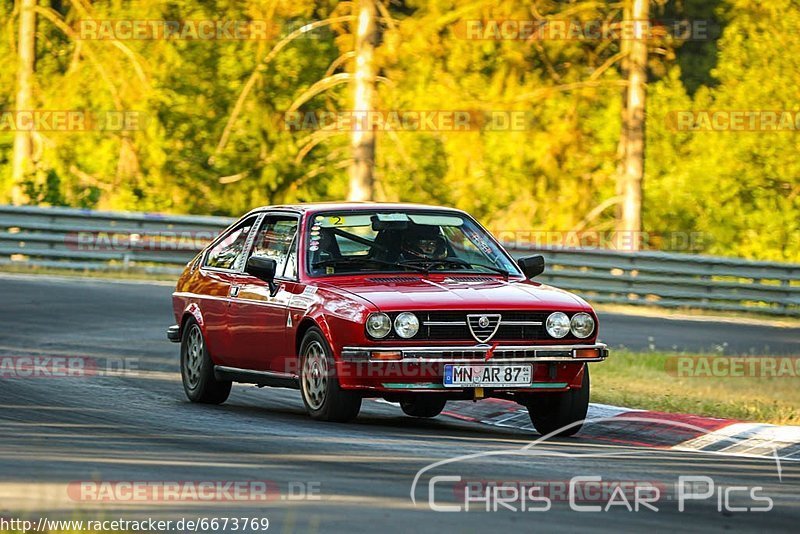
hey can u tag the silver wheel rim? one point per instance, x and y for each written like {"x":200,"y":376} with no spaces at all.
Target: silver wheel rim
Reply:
{"x":194,"y":357}
{"x":315,"y":375}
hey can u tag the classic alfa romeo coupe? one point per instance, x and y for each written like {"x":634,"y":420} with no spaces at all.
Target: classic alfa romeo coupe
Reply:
{"x":415,"y":304}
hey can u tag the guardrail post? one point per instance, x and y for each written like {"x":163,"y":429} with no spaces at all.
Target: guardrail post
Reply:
{"x":784,"y":306}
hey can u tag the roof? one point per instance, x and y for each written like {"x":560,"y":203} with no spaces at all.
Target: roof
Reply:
{"x":312,"y":207}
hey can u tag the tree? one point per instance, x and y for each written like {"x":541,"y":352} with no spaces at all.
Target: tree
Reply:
{"x":363,"y":139}
{"x":23,"y":145}
{"x":629,"y":221}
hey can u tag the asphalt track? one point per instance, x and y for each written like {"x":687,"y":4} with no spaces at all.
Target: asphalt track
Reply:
{"x":138,"y":426}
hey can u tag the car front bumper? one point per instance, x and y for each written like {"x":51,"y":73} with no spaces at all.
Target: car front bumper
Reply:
{"x":483,"y":353}
{"x":422,"y":368}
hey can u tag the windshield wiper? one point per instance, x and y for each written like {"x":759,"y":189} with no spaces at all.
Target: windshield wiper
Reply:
{"x":358,"y":259}
{"x":429,"y":264}
{"x":497,"y":270}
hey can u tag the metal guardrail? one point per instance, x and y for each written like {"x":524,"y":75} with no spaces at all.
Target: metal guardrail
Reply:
{"x":71,"y":238}
{"x":674,"y":280}
{"x":104,"y":241}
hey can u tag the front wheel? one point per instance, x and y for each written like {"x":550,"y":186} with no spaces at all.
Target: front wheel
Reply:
{"x":551,"y":412}
{"x":423,"y":405}
{"x":197,"y":369}
{"x":325,"y":400}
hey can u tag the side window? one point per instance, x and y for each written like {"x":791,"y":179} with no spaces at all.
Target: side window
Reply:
{"x":225,"y":253}
{"x":276,"y":240}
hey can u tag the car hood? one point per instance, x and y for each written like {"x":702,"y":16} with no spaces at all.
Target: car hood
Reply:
{"x":403,"y":292}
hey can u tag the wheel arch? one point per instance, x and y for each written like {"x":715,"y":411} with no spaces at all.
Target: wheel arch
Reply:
{"x":310,"y":322}
{"x":192,"y":311}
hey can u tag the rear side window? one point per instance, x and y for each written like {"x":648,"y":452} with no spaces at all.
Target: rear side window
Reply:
{"x":225,"y":254}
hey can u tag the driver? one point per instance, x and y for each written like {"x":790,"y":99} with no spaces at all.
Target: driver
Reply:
{"x":423,"y":243}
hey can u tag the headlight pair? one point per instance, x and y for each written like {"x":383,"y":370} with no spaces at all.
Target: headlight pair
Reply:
{"x":559,"y":325}
{"x":406,"y":325}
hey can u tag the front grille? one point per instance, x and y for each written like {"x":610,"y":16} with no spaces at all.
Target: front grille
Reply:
{"x":452,"y":326}
{"x":483,"y":326}
{"x":477,"y":355}
{"x":499,"y":356}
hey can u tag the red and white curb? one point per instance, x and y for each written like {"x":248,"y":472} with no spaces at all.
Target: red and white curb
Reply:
{"x":643,"y":428}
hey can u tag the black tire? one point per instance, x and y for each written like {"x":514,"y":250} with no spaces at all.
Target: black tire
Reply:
{"x":550,"y":412}
{"x":423,"y":405}
{"x":197,"y":369}
{"x":325,"y":400}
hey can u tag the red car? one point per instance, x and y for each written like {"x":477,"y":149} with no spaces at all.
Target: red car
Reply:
{"x":415,"y":304}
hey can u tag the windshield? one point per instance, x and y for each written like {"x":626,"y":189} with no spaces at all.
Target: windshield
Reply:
{"x":390,"y":241}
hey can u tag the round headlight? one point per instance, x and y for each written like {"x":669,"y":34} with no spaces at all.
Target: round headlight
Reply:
{"x":582,"y":325}
{"x":378,"y":325}
{"x":557,"y":324}
{"x":406,"y":325}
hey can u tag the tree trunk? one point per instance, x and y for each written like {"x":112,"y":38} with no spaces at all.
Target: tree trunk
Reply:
{"x":23,"y":149}
{"x":629,"y":220}
{"x":362,"y":140}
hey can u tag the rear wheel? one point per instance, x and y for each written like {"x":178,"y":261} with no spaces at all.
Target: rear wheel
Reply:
{"x":325,"y":400}
{"x":197,"y":369}
{"x":550,"y":412}
{"x":423,"y":405}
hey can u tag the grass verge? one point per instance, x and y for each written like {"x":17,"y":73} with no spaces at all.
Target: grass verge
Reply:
{"x":649,"y":381}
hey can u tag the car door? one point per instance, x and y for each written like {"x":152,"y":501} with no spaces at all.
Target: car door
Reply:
{"x":218,"y":271}
{"x":257,"y":318}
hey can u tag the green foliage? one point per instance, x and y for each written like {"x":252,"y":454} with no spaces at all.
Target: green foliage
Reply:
{"x":740,"y":190}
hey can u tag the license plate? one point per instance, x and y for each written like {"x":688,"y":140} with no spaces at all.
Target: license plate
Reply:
{"x":459,"y":376}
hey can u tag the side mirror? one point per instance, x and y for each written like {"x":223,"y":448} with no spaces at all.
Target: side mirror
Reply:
{"x":531,"y":266}
{"x":264,"y":269}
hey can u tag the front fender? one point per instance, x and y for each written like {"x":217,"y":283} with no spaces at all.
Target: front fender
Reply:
{"x":340,"y":318}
